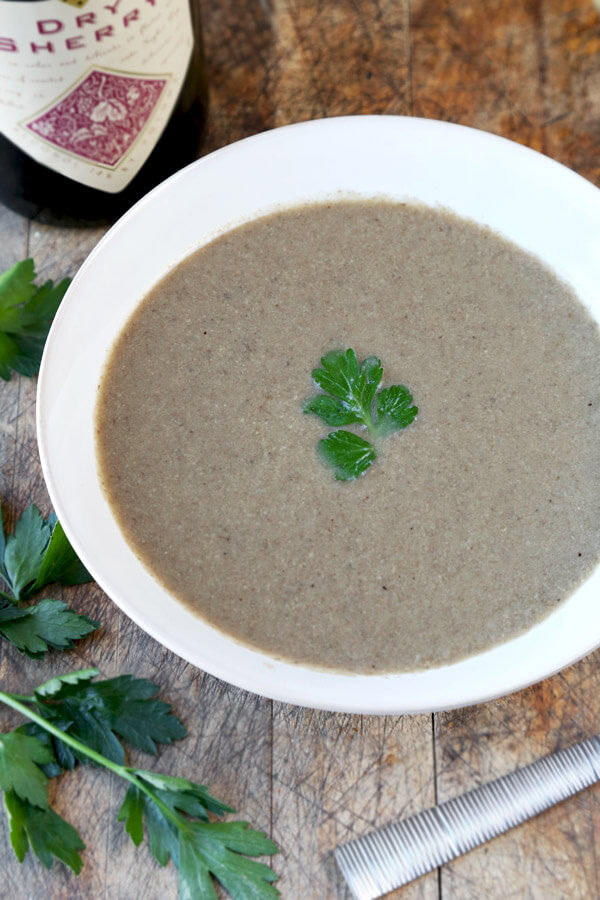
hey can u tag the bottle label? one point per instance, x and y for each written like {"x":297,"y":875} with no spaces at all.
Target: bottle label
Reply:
{"x":87,"y":86}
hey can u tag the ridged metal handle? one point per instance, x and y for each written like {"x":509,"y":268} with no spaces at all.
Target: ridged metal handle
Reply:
{"x":396,"y":854}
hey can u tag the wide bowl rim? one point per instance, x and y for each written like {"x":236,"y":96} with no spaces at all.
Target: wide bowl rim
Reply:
{"x":457,"y":685}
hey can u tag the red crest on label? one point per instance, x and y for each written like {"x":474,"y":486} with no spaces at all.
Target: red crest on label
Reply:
{"x":101,"y":116}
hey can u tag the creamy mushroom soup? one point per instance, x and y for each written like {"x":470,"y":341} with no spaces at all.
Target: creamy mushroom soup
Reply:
{"x":471,"y":525}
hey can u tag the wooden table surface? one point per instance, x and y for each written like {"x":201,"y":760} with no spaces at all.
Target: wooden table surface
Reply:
{"x":528,"y":70}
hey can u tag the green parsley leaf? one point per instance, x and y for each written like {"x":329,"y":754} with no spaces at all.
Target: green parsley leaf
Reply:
{"x":64,"y":755}
{"x":331,"y":410}
{"x":47,"y":624}
{"x":348,"y":453}
{"x":202,"y":848}
{"x":36,"y":554}
{"x":65,"y":758}
{"x":96,"y":712}
{"x":10,"y":357}
{"x":60,"y":564}
{"x":9,"y":612}
{"x":16,"y":290}
{"x":19,"y":754}
{"x":351,"y":389}
{"x":132,"y":813}
{"x":24,"y":552}
{"x":51,"y":769}
{"x":49,"y":834}
{"x":353,"y":385}
{"x":163,"y":834}
{"x":216,"y":848}
{"x":55,"y":685}
{"x":394,"y":410}
{"x":178,"y":795}
{"x":139,"y":718}
{"x":26,"y":313}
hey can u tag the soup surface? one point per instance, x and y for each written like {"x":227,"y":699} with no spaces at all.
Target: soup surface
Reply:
{"x":471,"y":525}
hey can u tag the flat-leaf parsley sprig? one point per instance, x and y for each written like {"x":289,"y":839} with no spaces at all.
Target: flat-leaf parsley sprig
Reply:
{"x":74,"y":718}
{"x":351,"y":397}
{"x":35,"y":555}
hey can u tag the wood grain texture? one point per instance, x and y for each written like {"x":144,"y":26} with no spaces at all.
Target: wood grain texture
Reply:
{"x":365,"y":44}
{"x":554,"y":854}
{"x":241,"y":64}
{"x":13,"y":246}
{"x":336,"y":777}
{"x":478,"y":65}
{"x":529,"y":71}
{"x":571,"y":84}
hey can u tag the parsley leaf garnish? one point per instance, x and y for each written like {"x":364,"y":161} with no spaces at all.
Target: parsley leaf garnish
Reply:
{"x":70,"y":717}
{"x":351,"y":398}
{"x":26,"y":313}
{"x":394,"y":410}
{"x":35,"y":555}
{"x":352,"y":388}
{"x":350,"y":454}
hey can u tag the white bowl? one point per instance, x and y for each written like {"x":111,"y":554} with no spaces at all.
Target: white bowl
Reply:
{"x":537,"y":203}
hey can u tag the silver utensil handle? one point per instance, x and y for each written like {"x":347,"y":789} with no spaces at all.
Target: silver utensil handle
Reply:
{"x":396,"y":854}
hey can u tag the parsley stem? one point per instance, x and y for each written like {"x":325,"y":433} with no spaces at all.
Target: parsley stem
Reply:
{"x":14,"y":701}
{"x":368,"y":420}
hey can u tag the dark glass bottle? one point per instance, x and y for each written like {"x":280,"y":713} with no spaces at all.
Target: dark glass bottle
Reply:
{"x":31,"y":187}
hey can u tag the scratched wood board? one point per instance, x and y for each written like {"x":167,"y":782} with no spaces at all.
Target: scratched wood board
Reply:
{"x":571,"y":84}
{"x":13,"y":246}
{"x":552,"y":855}
{"x":336,"y":777}
{"x":478,"y":65}
{"x":313,"y":779}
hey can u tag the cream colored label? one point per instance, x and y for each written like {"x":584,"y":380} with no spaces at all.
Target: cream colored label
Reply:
{"x":87,"y":87}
